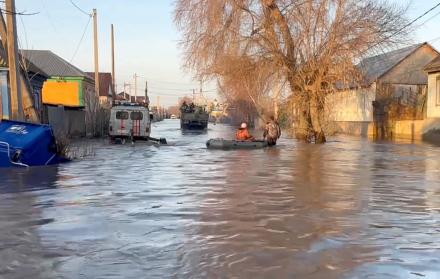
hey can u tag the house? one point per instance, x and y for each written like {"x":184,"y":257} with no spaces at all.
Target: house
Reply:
{"x":67,"y":93}
{"x":106,"y":93}
{"x":433,"y":100}
{"x":122,"y":96}
{"x":393,"y":88}
{"x":4,"y":96}
{"x":36,"y":78}
{"x":139,"y":99}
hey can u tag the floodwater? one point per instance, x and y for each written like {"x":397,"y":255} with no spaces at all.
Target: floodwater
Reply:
{"x":348,"y":209}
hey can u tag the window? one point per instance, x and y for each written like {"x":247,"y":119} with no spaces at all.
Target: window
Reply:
{"x":122,"y":115}
{"x":136,"y":115}
{"x":437,"y":92}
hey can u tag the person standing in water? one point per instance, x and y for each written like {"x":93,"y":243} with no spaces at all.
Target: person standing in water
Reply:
{"x":272,"y":132}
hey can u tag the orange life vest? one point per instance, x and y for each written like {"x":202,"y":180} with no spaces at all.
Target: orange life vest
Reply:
{"x":243,"y":134}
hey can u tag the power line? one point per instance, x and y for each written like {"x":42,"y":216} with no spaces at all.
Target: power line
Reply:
{"x":153,"y":80}
{"x":404,"y":27}
{"x":429,"y":19}
{"x":17,"y":13}
{"x":24,"y":31}
{"x":79,"y":9}
{"x":46,"y":10}
{"x":434,"y":40}
{"x":82,"y":38}
{"x":416,"y":19}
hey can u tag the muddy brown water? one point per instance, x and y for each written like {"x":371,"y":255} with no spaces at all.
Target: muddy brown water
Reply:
{"x":348,"y":209}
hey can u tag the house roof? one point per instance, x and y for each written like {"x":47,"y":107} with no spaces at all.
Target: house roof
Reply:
{"x":122,"y":96}
{"x":377,"y":66}
{"x":50,"y":64}
{"x":433,"y":66}
{"x":105,"y":83}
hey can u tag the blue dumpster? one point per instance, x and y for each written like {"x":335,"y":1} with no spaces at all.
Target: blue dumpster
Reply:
{"x":26,"y":144}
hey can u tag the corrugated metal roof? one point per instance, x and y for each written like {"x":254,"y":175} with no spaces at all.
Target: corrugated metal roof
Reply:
{"x":51,"y":64}
{"x":376,"y":66}
{"x":433,"y":66}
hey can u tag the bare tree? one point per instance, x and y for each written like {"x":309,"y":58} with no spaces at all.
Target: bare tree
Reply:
{"x":313,"y":45}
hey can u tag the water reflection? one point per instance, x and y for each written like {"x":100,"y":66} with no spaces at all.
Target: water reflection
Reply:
{"x":346,"y":209}
{"x":21,"y":251}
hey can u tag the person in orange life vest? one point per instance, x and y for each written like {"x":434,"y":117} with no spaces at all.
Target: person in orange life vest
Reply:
{"x":243,"y":133}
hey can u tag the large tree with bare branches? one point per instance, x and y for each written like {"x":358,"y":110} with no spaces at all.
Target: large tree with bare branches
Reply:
{"x":311,"y":44}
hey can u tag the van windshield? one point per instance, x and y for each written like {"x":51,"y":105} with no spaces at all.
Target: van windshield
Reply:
{"x":122,"y":115}
{"x":136,"y":115}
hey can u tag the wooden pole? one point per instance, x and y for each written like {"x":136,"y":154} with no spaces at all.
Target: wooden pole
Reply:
{"x":113,"y":60}
{"x":95,"y":40}
{"x":27,"y":97}
{"x":129,"y":91}
{"x":135,"y":87}
{"x":158,"y":106}
{"x":13,"y":62}
{"x":125,"y":90}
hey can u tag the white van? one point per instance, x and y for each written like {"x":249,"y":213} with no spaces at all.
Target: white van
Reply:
{"x":128,"y":120}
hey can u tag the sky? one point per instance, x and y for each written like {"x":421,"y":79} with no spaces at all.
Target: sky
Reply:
{"x":146,"y":39}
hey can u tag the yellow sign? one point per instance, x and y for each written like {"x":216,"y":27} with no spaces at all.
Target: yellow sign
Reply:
{"x":66,"y":93}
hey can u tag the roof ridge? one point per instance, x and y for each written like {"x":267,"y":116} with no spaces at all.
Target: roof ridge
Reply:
{"x":52,"y":64}
{"x":415,"y":46}
{"x":375,"y":67}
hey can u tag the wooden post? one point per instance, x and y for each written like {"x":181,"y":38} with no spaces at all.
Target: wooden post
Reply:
{"x":27,"y":98}
{"x":113,"y":60}
{"x":13,"y":62}
{"x":125,"y":90}
{"x":135,"y":87}
{"x":158,"y":106}
{"x":95,"y":40}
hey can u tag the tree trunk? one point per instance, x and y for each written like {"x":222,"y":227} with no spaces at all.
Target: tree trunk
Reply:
{"x":316,"y":110}
{"x":303,"y":127}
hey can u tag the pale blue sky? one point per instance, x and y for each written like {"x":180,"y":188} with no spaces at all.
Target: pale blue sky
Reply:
{"x":146,"y":39}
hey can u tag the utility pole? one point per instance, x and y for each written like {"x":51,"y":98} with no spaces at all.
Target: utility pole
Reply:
{"x":158,"y":106}
{"x":135,"y":87}
{"x":95,"y":39}
{"x":14,"y":66}
{"x":113,"y":60}
{"x":125,"y":90}
{"x":147,"y":99}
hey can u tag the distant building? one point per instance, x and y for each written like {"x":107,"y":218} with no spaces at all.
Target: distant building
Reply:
{"x":106,"y":94}
{"x":122,"y":96}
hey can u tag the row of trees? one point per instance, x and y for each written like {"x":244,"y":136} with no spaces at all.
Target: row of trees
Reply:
{"x":265,"y":50}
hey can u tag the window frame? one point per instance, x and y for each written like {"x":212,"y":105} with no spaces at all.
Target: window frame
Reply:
{"x":117,"y":116}
{"x":137,"y":113}
{"x":437,"y":90}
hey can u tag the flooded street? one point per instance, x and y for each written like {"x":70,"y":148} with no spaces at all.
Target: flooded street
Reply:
{"x":347,"y":209}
